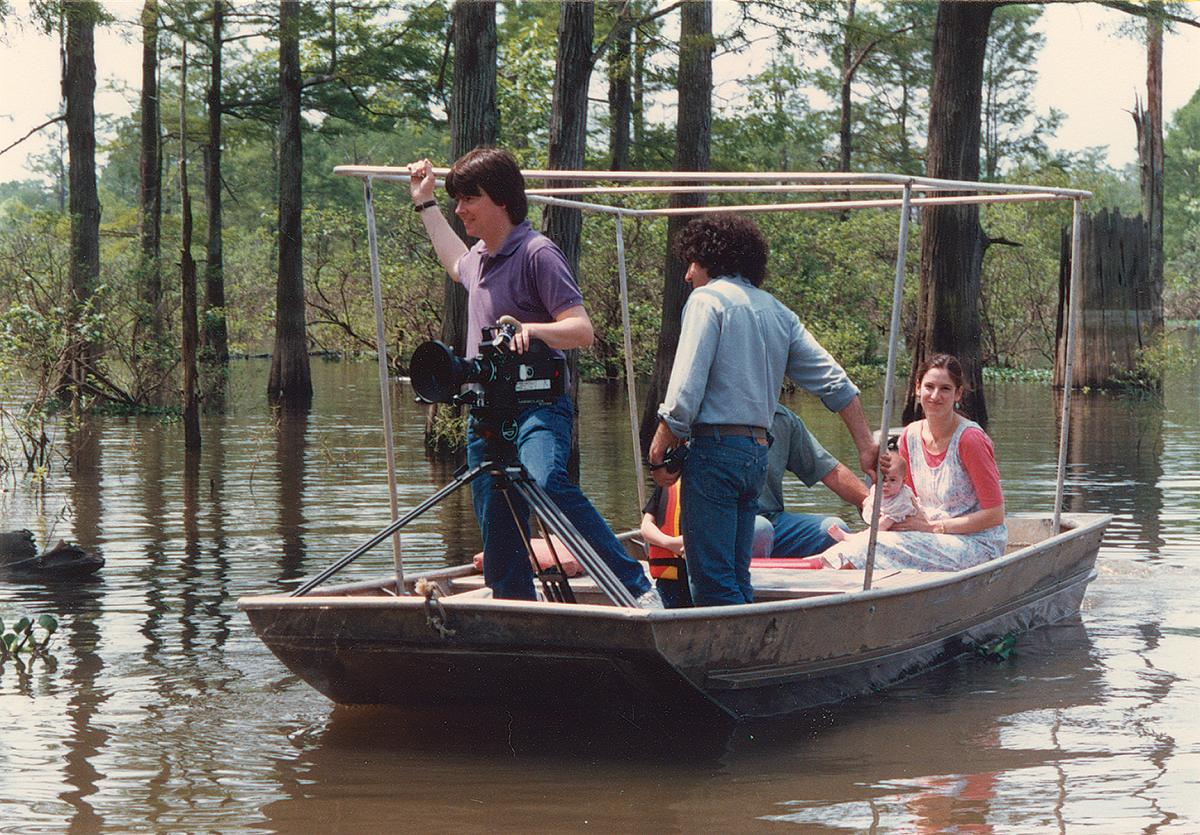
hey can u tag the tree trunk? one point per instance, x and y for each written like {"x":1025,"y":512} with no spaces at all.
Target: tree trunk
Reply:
{"x":844,"y":122}
{"x":1150,"y":151}
{"x":568,"y":135}
{"x":290,"y":383}
{"x":637,"y":113}
{"x":474,"y":121}
{"x":79,"y":89}
{"x":149,"y":365}
{"x":187,"y":272}
{"x":620,"y":95}
{"x":1113,"y":316}
{"x":568,"y":118}
{"x":693,"y":135}
{"x":951,"y":238}
{"x":214,"y":336}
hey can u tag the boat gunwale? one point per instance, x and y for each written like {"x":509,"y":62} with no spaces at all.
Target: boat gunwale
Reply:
{"x":1085,"y":523}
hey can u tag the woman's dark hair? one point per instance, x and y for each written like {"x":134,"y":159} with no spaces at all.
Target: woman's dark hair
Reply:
{"x":949,"y":363}
{"x":495,"y":172}
{"x":725,"y":244}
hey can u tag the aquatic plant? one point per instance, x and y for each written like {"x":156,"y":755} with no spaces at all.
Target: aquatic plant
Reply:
{"x":27,"y":635}
{"x":998,"y":649}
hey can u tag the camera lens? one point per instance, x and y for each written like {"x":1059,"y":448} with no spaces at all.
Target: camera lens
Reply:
{"x":437,"y":373}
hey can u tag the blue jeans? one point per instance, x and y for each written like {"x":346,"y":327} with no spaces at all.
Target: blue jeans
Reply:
{"x":543,"y":445}
{"x":722,"y":478}
{"x":803,"y":534}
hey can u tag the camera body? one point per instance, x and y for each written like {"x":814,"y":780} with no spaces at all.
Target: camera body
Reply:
{"x":508,"y":382}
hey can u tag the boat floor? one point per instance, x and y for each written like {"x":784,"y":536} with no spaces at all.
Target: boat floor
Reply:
{"x":768,"y":583}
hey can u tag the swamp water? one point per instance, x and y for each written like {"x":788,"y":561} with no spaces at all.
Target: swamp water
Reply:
{"x":161,"y":711}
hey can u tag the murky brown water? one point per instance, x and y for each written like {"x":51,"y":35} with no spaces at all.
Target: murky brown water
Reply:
{"x":162,"y":712}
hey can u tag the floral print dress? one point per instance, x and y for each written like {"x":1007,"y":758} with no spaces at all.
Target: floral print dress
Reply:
{"x":945,"y":491}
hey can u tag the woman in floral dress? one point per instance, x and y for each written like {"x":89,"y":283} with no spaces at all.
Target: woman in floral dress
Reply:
{"x":959,"y":521}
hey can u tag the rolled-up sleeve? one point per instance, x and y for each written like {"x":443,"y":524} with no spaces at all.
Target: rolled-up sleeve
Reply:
{"x":813,"y":369}
{"x":694,"y":354}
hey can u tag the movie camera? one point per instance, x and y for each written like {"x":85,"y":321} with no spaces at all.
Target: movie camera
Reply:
{"x":507,"y":382}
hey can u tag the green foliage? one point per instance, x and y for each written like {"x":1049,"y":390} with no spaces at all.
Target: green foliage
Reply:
{"x":838,"y":276}
{"x":525,"y":77}
{"x":997,"y":650}
{"x":27,"y":636}
{"x":376,"y":91}
{"x":1181,"y":184}
{"x":1182,"y":278}
{"x":777,"y":129}
{"x":1012,"y":131}
{"x":993,"y":374}
{"x":1151,"y":366}
{"x":448,"y":430}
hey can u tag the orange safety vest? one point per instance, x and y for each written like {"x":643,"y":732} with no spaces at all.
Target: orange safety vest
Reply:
{"x":664,"y":564}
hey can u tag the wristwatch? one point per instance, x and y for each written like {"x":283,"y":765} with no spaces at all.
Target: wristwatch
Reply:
{"x":420,"y":207}
{"x":939,"y":527}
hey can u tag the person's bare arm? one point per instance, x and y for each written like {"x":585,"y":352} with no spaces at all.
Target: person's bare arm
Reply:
{"x":446,"y":243}
{"x":860,"y":432}
{"x":980,"y":520}
{"x":846,"y":485}
{"x":570,"y":329}
{"x":664,"y":439}
{"x":654,"y":536}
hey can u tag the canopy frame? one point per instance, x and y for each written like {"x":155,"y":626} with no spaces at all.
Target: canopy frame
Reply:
{"x":938,"y":192}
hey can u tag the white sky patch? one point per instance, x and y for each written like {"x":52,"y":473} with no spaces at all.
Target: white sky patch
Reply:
{"x":1086,"y":69}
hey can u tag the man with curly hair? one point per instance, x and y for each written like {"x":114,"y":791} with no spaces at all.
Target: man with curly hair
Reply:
{"x":736,"y":344}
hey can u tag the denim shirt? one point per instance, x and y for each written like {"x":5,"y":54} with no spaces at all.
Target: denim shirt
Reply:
{"x":737,"y":342}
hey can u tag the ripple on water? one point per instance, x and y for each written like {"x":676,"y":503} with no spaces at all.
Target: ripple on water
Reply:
{"x":162,"y":711}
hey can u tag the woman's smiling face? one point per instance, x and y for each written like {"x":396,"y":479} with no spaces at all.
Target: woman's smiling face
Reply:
{"x":937,"y":392}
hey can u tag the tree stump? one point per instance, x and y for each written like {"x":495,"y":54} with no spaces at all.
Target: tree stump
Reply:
{"x":1114,"y":320}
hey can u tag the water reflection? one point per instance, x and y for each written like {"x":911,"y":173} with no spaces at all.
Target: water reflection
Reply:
{"x":291,"y":446}
{"x":161,"y":711}
{"x":1115,"y":462}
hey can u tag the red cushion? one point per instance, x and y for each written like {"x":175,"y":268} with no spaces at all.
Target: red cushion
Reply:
{"x":788,"y":562}
{"x":571,"y":566}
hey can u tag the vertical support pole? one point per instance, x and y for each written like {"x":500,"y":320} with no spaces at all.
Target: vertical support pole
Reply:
{"x":1073,"y":301}
{"x":889,"y":383}
{"x":630,"y":384}
{"x":385,"y":388}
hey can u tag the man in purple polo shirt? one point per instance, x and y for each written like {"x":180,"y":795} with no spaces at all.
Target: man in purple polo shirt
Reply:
{"x":513,"y":270}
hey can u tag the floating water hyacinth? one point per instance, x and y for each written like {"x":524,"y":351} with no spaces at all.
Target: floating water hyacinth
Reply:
{"x":27,"y":635}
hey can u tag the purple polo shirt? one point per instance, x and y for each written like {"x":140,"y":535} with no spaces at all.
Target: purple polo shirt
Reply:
{"x":528,"y":279}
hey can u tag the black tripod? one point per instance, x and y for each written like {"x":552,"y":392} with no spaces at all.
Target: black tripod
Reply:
{"x":508,"y":477}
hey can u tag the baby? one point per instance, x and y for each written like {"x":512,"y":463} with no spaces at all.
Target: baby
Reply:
{"x":898,"y":500}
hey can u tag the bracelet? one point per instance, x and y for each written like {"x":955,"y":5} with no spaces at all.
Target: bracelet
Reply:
{"x":939,"y":527}
{"x":420,"y":207}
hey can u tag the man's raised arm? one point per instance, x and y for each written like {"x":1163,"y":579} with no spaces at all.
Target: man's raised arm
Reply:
{"x":446,"y":243}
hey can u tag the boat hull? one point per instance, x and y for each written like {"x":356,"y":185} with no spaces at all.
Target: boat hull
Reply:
{"x":716,"y":663}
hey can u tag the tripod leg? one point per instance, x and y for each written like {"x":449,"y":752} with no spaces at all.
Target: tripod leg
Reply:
{"x":559,"y":524}
{"x":557,"y":571}
{"x":555,"y":587}
{"x":458,"y":482}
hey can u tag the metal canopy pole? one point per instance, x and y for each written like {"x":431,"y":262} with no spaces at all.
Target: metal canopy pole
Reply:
{"x":630,"y":384}
{"x":889,"y":382}
{"x":1069,"y":361}
{"x":385,"y":388}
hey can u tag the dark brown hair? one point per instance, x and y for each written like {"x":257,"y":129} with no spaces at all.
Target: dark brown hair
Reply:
{"x":495,"y":172}
{"x":725,"y":244}
{"x":949,"y":363}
